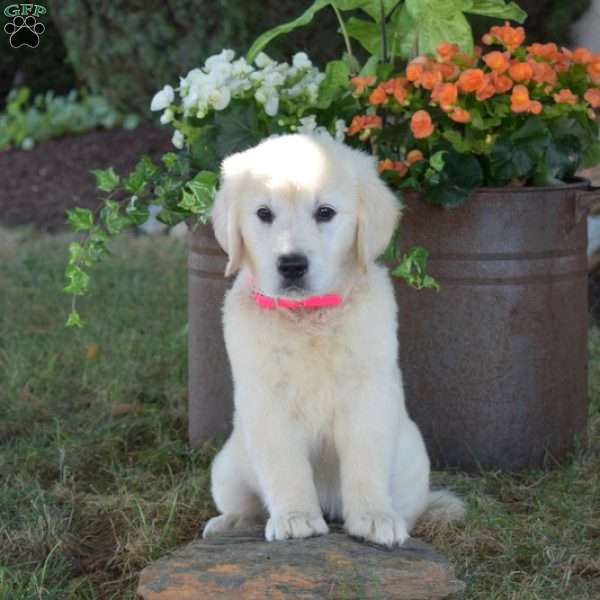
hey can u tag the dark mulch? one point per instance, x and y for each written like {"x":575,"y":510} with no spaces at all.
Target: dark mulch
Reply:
{"x":39,"y":185}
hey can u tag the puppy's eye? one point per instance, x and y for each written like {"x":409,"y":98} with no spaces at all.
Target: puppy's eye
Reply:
{"x":265,"y":214}
{"x":324,"y":213}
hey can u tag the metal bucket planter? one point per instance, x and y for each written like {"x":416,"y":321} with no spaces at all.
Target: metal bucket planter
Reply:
{"x":494,"y":363}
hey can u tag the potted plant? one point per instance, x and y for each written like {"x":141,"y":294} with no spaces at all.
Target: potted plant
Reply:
{"x":447,"y":126}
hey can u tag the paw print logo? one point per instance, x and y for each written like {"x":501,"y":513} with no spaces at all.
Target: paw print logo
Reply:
{"x":24,"y":31}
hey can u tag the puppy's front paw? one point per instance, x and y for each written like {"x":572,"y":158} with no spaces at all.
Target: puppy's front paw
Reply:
{"x":382,"y":528}
{"x":295,"y":525}
{"x":219,"y":525}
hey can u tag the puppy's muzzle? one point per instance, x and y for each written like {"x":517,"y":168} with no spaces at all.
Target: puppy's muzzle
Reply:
{"x":292,"y":267}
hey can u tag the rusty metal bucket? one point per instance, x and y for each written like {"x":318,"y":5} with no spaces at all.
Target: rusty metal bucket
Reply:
{"x":210,"y":387}
{"x":495,"y":363}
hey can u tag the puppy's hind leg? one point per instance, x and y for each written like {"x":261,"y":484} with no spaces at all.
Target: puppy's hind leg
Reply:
{"x":233,"y":492}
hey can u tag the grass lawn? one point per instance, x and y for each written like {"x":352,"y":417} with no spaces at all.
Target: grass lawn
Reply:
{"x":96,"y":478}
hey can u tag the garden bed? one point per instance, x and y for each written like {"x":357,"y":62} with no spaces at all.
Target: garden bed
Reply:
{"x":39,"y":185}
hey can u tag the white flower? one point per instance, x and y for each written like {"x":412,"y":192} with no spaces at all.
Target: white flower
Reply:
{"x":262,"y":60}
{"x":163,"y":98}
{"x":272,"y":105}
{"x":301,"y":61}
{"x":340,"y":130}
{"x":225,"y":56}
{"x":167,"y":116}
{"x":219,"y":98}
{"x":307,"y":124}
{"x":178,"y":139}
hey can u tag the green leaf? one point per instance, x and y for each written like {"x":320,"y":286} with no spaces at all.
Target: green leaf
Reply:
{"x":498,"y":9}
{"x":367,"y":33}
{"x":370,"y":67}
{"x":373,"y":8}
{"x":78,"y":280}
{"x":171,"y":217}
{"x":113,"y":219}
{"x":237,"y":129}
{"x":337,"y":78}
{"x":591,"y":156}
{"x":74,"y":320}
{"x":170,"y":159}
{"x":413,"y":269}
{"x":199,"y":193}
{"x":403,"y":34}
{"x":106,"y":180}
{"x":304,"y":19}
{"x":143,"y":173}
{"x":460,"y":175}
{"x":80,"y":219}
{"x":137,"y":211}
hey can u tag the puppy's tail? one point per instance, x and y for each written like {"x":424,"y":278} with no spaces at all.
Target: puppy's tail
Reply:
{"x":443,"y":507}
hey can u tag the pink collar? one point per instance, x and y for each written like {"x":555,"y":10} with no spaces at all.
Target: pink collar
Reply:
{"x":324,"y":301}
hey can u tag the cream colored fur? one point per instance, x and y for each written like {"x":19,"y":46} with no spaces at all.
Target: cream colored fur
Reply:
{"x":320,"y":425}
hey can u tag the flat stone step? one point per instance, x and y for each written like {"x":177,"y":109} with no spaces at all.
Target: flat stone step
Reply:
{"x":243,"y":566}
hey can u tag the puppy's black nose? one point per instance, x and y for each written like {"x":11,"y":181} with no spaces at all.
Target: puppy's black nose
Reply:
{"x":292,"y":266}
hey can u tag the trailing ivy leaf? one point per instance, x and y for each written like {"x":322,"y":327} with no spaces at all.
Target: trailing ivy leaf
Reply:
{"x":498,"y":9}
{"x":237,"y":129}
{"x":113,"y":219}
{"x":78,"y":280}
{"x":171,"y":217}
{"x":199,"y":193}
{"x":137,"y":211}
{"x":413,"y":269}
{"x":337,"y":78}
{"x":144,"y":172}
{"x":106,"y":180}
{"x":74,"y":320}
{"x":80,"y":219}
{"x":170,"y":159}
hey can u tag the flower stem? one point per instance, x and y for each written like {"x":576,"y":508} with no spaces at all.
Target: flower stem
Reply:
{"x":343,"y":28}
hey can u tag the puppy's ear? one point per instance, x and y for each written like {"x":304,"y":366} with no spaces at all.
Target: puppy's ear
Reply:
{"x":378,"y":212}
{"x":226,"y":225}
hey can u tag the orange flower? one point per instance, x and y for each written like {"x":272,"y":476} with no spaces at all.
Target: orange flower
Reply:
{"x":445,"y":94}
{"x":511,"y":37}
{"x":396,"y":87}
{"x":414,"y":156}
{"x":471,"y":80}
{"x":460,"y":115}
{"x":547,"y":51}
{"x":360,"y":83}
{"x":430,"y":79}
{"x":414,"y":71}
{"x":593,"y":69}
{"x":593,"y":97}
{"x":520,"y":100}
{"x":501,"y":83}
{"x":378,"y":95}
{"x":449,"y":71}
{"x":446,"y":51}
{"x":542,"y":72}
{"x":520,"y":71}
{"x":565,"y":97}
{"x":401,"y":94}
{"x":581,"y":56}
{"x":496,"y":61}
{"x":385,"y":165}
{"x":487,"y":89}
{"x":390,"y":165}
{"x":421,"y":124}
{"x":535,"y":107}
{"x":366,"y":122}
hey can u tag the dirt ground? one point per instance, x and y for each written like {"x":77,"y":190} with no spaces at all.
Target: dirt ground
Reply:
{"x":37,"y":186}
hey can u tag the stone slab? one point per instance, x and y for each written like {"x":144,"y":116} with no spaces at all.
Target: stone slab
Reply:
{"x":243,"y":566}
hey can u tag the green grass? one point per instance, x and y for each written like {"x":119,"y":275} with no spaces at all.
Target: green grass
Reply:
{"x":96,"y":478}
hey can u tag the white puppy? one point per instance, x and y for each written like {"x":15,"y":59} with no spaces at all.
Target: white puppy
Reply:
{"x":320,"y":425}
